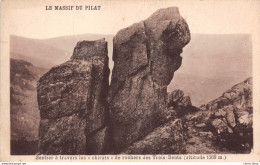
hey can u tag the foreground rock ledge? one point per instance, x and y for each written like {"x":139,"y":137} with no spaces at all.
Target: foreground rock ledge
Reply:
{"x":145,"y":55}
{"x":72,"y":102}
{"x":166,"y":139}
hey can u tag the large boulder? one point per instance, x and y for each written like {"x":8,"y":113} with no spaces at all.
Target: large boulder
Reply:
{"x":145,"y":55}
{"x":179,"y":105}
{"x":71,"y":99}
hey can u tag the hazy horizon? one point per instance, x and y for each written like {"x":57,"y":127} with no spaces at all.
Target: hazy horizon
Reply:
{"x":212,"y":62}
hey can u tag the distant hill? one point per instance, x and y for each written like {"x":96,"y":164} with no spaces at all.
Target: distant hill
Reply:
{"x":47,"y":53}
{"x":36,"y":52}
{"x":211,"y":62}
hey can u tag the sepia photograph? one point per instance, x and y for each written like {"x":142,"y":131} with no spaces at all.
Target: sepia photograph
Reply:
{"x":173,"y":79}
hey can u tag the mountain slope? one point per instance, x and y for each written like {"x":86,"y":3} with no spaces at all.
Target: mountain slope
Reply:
{"x":24,"y":108}
{"x":211,"y":64}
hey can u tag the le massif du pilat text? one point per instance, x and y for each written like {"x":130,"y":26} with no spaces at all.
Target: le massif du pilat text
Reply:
{"x":73,"y":7}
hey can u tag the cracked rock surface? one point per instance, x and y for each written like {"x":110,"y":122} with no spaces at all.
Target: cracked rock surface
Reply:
{"x":145,"y":56}
{"x":72,"y":102}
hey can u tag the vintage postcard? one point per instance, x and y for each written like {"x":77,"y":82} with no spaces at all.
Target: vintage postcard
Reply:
{"x":96,"y":80}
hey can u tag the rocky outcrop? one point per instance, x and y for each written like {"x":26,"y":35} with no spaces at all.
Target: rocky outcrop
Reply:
{"x":145,"y":55}
{"x":229,"y":117}
{"x":72,"y":102}
{"x":232,"y":117}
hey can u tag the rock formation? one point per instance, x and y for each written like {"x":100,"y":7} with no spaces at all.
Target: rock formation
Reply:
{"x":77,"y":117}
{"x":72,"y":102}
{"x":82,"y":114}
{"x":232,"y":117}
{"x":145,"y":55}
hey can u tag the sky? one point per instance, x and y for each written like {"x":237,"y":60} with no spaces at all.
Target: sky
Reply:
{"x":29,"y":18}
